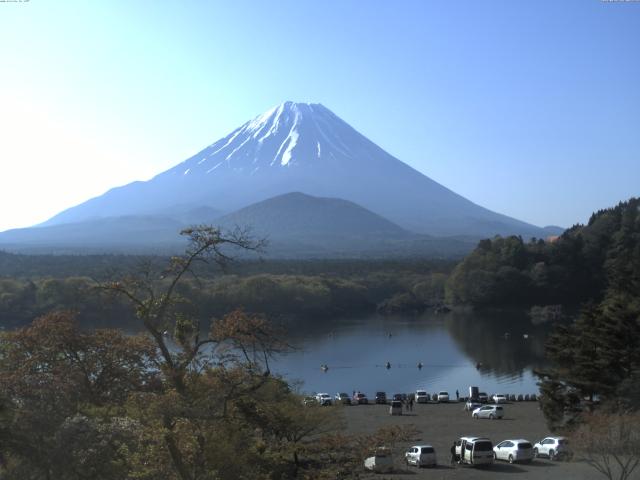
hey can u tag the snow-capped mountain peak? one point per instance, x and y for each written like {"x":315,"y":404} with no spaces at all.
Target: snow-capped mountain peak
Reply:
{"x":284,"y":136}
{"x":301,"y":147}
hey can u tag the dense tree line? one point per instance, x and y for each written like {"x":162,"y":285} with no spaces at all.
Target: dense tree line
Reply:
{"x":283,"y":296}
{"x":579,"y":266}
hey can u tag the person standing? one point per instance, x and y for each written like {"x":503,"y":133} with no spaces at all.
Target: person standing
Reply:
{"x":453,"y":453}
{"x":411,"y":404}
{"x":457,"y":395}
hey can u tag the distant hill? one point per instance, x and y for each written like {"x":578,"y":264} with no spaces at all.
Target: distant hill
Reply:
{"x":299,"y":225}
{"x":299,"y":216}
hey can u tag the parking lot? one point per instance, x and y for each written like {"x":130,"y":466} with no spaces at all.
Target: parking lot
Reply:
{"x":441,"y":424}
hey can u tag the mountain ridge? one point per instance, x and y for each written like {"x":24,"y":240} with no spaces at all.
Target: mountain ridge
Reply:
{"x":296,"y":225}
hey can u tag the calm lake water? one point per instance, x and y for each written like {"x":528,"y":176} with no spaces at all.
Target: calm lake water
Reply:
{"x":449,"y":346}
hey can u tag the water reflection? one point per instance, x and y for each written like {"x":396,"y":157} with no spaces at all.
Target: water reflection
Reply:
{"x":503,"y":343}
{"x":355,"y":352}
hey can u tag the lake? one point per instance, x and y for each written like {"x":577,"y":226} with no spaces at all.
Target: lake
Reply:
{"x":449,"y":346}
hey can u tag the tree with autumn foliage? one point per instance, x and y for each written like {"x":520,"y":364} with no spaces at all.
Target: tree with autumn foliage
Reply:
{"x":53,"y":378}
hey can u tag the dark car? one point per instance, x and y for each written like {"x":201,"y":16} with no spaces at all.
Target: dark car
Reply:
{"x":343,"y":398}
{"x":381,"y":397}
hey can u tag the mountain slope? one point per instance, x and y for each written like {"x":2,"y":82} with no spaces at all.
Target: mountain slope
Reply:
{"x":304,"y":148}
{"x":132,"y":233}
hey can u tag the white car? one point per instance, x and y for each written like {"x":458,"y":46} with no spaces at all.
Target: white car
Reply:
{"x":421,"y":456}
{"x":323,"y":399}
{"x":443,"y":397}
{"x":491,"y":412}
{"x":552,"y":447}
{"x":381,"y":461}
{"x":512,"y":451}
{"x":422,"y":396}
{"x":499,"y":398}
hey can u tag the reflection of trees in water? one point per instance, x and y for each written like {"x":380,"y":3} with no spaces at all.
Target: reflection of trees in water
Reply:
{"x":497,"y":341}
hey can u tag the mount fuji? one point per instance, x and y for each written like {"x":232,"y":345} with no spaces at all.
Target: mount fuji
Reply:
{"x":294,"y":147}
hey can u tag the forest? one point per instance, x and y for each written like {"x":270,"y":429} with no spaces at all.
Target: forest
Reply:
{"x":578,"y":266}
{"x":293,"y":291}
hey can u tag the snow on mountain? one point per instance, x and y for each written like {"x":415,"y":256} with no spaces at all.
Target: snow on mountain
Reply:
{"x":302,"y":147}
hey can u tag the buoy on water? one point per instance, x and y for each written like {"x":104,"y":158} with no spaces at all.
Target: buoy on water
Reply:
{"x":419,"y":365}
{"x":388,"y":365}
{"x":324,"y":367}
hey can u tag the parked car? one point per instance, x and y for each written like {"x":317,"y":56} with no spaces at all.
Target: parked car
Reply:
{"x":499,"y":398}
{"x":434,"y":397}
{"x":474,"y":450}
{"x":488,"y":411}
{"x":511,"y":397}
{"x":360,"y":399}
{"x":422,"y":396}
{"x":380,"y":462}
{"x":399,"y":396}
{"x":527,"y":397}
{"x":324,"y":399}
{"x":514,"y":451}
{"x":381,"y":397}
{"x":521,"y":398}
{"x":552,"y":447}
{"x":395,"y":408}
{"x":471,"y":405}
{"x":421,"y":456}
{"x":443,"y":397}
{"x":483,"y":397}
{"x":343,"y":398}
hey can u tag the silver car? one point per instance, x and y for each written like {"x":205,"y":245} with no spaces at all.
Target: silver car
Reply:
{"x":488,"y":411}
{"x":421,"y":456}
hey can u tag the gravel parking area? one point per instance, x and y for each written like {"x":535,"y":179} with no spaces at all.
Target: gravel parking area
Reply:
{"x":441,"y":424}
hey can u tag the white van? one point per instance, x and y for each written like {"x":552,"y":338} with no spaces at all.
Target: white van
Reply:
{"x":474,"y":451}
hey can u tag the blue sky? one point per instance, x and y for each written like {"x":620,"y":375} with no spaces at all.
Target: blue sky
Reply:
{"x":531,"y":109}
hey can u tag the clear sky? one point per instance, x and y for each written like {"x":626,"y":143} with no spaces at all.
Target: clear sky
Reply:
{"x":529,"y":108}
